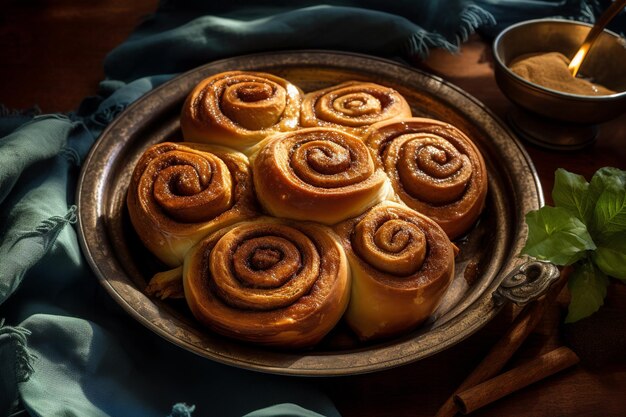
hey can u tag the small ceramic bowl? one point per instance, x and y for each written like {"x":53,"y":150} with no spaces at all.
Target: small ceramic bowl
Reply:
{"x":605,"y":64}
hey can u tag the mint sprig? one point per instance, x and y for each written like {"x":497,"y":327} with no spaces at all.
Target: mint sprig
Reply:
{"x":587,"y":285}
{"x":586,"y":229}
{"x":557,"y":236}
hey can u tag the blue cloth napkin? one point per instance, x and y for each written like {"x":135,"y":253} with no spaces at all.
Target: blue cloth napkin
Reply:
{"x":65,"y":347}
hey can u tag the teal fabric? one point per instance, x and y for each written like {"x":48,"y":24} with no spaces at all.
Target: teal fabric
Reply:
{"x":508,"y":12}
{"x":67,"y":349}
{"x":183,"y":37}
{"x":114,"y":370}
{"x":16,"y":361}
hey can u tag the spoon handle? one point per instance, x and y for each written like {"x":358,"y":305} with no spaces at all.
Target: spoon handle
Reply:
{"x":597,"y":28}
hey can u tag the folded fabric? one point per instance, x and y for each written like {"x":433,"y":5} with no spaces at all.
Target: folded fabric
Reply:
{"x":508,"y":12}
{"x":67,"y":348}
{"x":179,"y":38}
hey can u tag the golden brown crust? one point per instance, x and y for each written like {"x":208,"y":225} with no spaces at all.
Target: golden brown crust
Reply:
{"x":269,"y":281}
{"x":352,"y":106}
{"x":179,"y":193}
{"x":319,"y":174}
{"x":434,"y":168}
{"x":401,"y":262}
{"x":285,"y":281}
{"x":238,"y":108}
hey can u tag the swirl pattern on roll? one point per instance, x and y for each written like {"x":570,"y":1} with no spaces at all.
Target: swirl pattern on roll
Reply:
{"x":319,"y":174}
{"x":434,"y":168}
{"x":237,"y":109}
{"x":180,"y":193}
{"x":352,"y":106}
{"x":269,"y":281}
{"x":402,"y":262}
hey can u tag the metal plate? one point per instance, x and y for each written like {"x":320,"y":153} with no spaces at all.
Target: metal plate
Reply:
{"x":490,"y":249}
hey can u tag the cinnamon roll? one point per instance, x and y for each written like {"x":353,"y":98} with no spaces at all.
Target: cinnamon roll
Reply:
{"x":434,"y":168}
{"x":402,"y":262}
{"x":352,"y":106}
{"x":319,"y":174}
{"x":238,"y":108}
{"x":179,"y":193}
{"x":269,"y":281}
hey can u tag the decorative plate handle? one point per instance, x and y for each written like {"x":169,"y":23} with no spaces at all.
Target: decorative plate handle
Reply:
{"x":527,"y":282}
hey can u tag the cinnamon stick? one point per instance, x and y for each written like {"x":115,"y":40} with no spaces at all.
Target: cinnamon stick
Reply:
{"x":502,"y":351}
{"x":515,"y":379}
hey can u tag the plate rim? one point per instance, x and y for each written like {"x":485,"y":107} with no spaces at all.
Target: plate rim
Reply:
{"x":484,"y":307}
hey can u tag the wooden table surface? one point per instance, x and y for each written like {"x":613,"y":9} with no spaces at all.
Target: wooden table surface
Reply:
{"x":51,"y":55}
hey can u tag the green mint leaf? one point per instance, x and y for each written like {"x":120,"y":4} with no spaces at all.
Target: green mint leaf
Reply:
{"x":607,"y":172}
{"x":596,"y":187}
{"x":610,"y":256}
{"x":604,"y":178}
{"x":556,"y":235}
{"x":610,"y":211}
{"x":587,"y":286}
{"x":570,"y":192}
